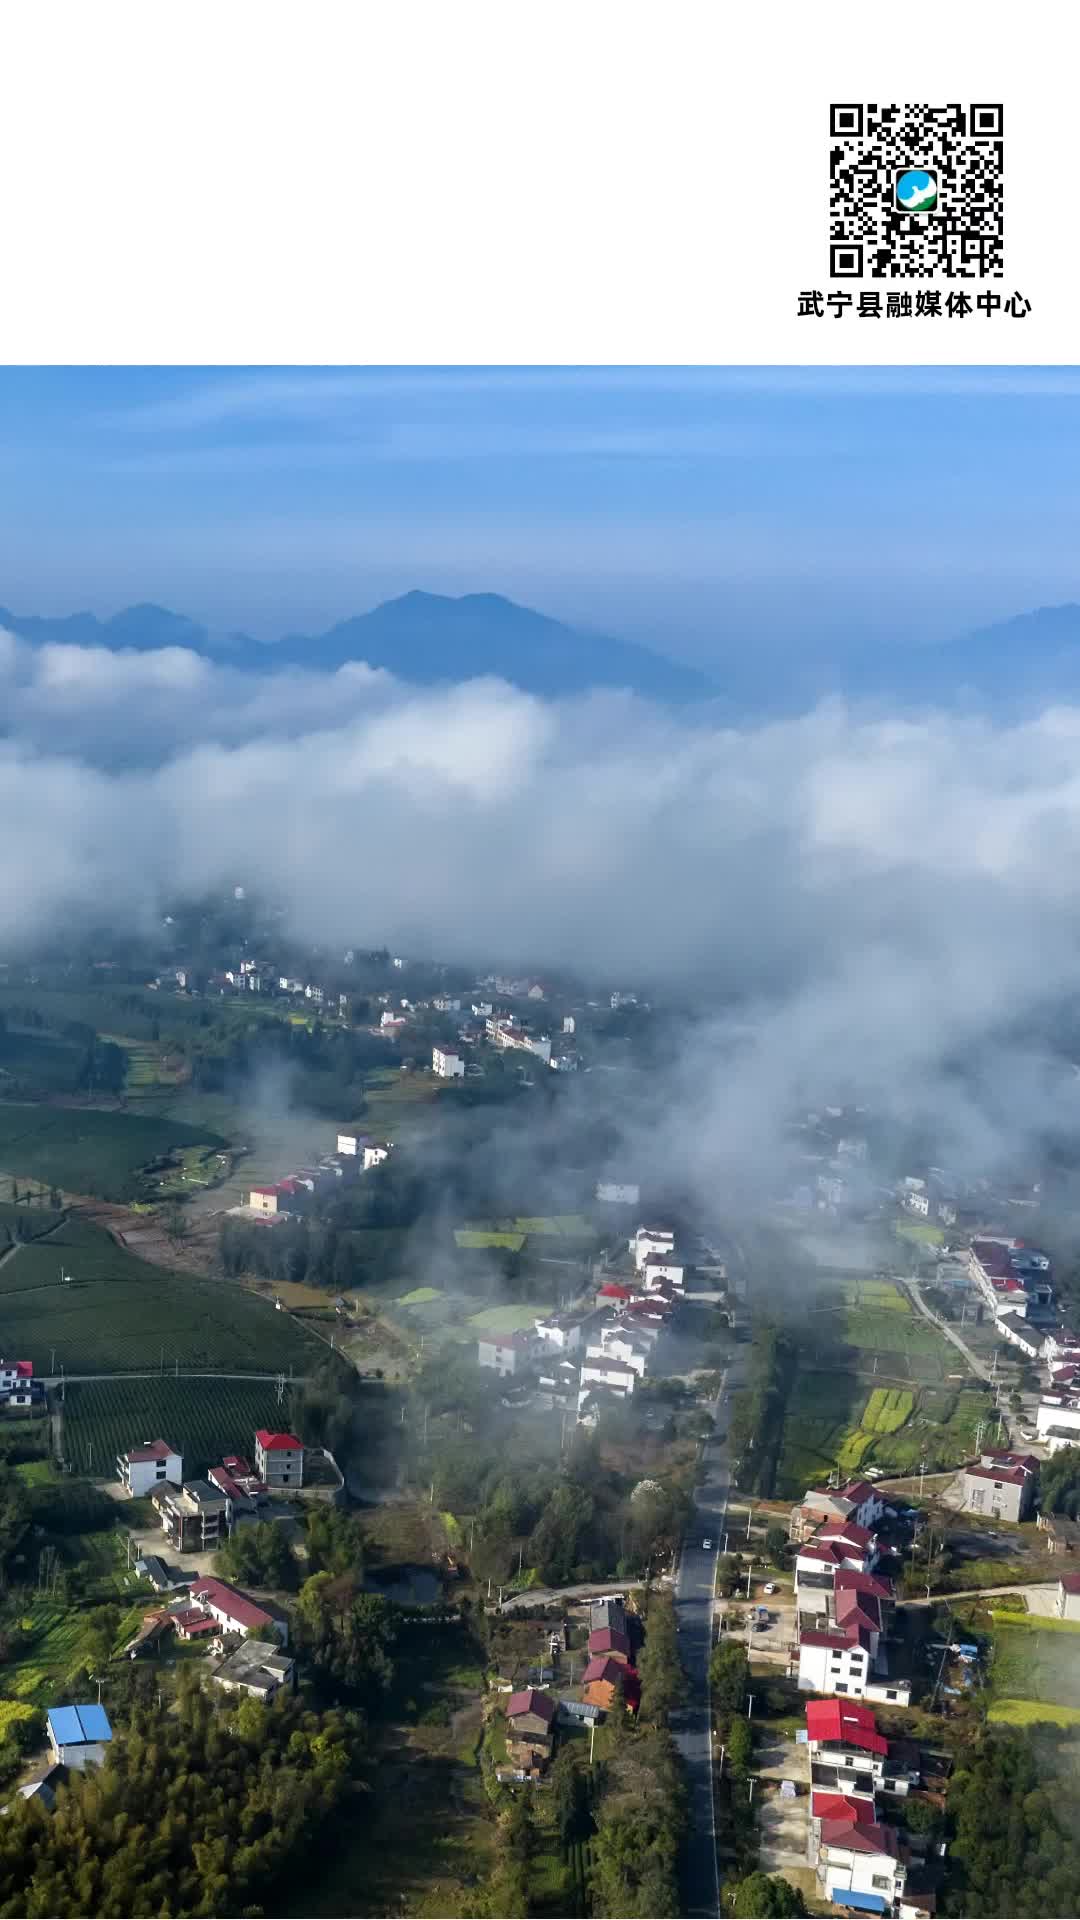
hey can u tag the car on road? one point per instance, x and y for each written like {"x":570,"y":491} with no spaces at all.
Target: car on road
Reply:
{"x":769,"y":1587}
{"x":706,"y":1546}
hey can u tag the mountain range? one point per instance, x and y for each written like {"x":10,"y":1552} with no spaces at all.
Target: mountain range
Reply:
{"x":421,"y":637}
{"x":428,"y":638}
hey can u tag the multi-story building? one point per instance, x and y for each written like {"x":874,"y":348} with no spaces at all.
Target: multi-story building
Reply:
{"x":279,"y":1459}
{"x":154,"y":1464}
{"x":194,"y":1517}
{"x":1000,"y":1484}
{"x":447,"y":1064}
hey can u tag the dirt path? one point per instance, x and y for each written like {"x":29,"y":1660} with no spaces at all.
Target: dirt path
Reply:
{"x":981,"y":1593}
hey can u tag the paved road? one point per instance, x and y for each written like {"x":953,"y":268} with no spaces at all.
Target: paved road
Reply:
{"x":911,"y":1287}
{"x":554,"y":1596}
{"x":980,"y":1593}
{"x":695,"y":1586}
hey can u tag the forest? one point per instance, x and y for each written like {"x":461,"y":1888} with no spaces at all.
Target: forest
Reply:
{"x":207,"y":1809}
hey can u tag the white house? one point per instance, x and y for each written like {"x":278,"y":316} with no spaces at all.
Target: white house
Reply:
{"x":447,"y":1064}
{"x":154,"y":1464}
{"x":615,"y":1194}
{"x":375,"y":1153}
{"x":79,"y":1735}
{"x":235,"y":1611}
{"x":351,"y":1143}
{"x":658,"y":1267}
{"x":842,"y":1735}
{"x":600,"y":1371}
{"x":15,"y":1375}
{"x":256,"y":1667}
{"x":279,"y":1458}
{"x":569,"y":1024}
{"x":560,"y":1333}
{"x":917,"y":1202}
{"x":1064,"y":1420}
{"x":627,"y":1348}
{"x":651,"y":1240}
{"x":443,"y":1004}
{"x":267,"y":1200}
{"x":862,"y":1858}
{"x":506,"y":1352}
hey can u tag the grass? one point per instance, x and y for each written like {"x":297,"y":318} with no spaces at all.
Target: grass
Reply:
{"x":1037,"y":1622}
{"x":1029,"y":1665}
{"x":11,"y":1712}
{"x":39,"y":1063}
{"x":1030,"y":1713}
{"x":118,"y":1314}
{"x":83,"y":1150}
{"x":880,"y":1295}
{"x":473,"y":1237}
{"x":202,"y":1419}
{"x":35,"y":1473}
{"x":888,"y":1330}
{"x":47,"y":1654}
{"x":420,"y":1296}
{"x":921,"y":1231}
{"x":504,"y":1319}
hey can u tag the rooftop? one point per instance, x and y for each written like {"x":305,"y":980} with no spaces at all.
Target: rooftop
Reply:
{"x":236,"y":1605}
{"x":151,"y":1450}
{"x":277,"y":1442}
{"x":531,"y":1701}
{"x":78,"y":1726}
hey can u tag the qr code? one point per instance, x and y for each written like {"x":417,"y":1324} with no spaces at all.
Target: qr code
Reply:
{"x":916,"y":191}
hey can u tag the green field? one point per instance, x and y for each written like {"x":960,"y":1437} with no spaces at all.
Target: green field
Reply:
{"x":118,"y":1313}
{"x":1030,"y":1713}
{"x":420,"y":1296}
{"x":472,"y":1238}
{"x":202,"y":1419}
{"x":880,"y":1295}
{"x":86,"y":1151}
{"x":820,"y":1416}
{"x":1029,"y":1664}
{"x":49,"y":1650}
{"x":881,"y":1329}
{"x":920,"y":1231}
{"x":503,"y":1319}
{"x":38,"y":1063}
{"x":147,"y":1072}
{"x":887,"y":1409}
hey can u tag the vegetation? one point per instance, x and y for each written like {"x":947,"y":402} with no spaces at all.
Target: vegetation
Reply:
{"x":663,"y":1681}
{"x":87,"y":1151}
{"x":202,"y":1811}
{"x":258,"y":1555}
{"x":119,"y":1314}
{"x":203,"y":1419}
{"x":763,"y":1896}
{"x":1012,"y":1810}
{"x":757,"y":1421}
{"x":1059,"y":1483}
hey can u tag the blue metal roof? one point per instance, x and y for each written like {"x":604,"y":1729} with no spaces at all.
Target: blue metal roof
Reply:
{"x":862,"y":1902}
{"x":75,"y":1726}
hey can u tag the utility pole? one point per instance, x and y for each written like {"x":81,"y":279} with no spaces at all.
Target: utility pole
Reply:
{"x":52,"y":1361}
{"x":922,"y":1476}
{"x":750,"y":1706}
{"x":748,"y":1519}
{"x":592,"y":1741}
{"x":751,"y":1791}
{"x":749,"y":1575}
{"x":720,"y":1774}
{"x":727,"y":1537}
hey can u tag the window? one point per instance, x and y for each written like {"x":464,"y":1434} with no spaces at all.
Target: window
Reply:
{"x":840,"y":1687}
{"x":880,"y":1880}
{"x":890,"y":1693}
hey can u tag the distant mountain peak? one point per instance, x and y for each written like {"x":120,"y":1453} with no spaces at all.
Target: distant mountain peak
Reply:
{"x":426,"y":638}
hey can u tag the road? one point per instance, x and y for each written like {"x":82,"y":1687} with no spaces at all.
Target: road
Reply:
{"x":695,"y":1587}
{"x":911,"y":1287}
{"x":980,"y":1593}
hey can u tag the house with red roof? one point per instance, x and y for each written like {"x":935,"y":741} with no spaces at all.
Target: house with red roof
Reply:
{"x":856,"y":1855}
{"x":506,"y":1352}
{"x":279,"y":1459}
{"x":602,"y":1679}
{"x":610,"y":1642}
{"x":859,"y":1865}
{"x":999,"y":1484}
{"x":154,"y":1464}
{"x":235,"y":1612}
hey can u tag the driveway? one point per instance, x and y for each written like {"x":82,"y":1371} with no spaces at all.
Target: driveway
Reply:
{"x":784,"y":1825}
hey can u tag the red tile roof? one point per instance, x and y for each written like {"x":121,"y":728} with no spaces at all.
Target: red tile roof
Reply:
{"x":851,"y":1580}
{"x":815,"y":1637}
{"x":864,"y":1836}
{"x":825,"y":1553}
{"x":25,"y":1368}
{"x":846,"y":1723}
{"x":1015,"y":1476}
{"x":841,"y":1806}
{"x":530,"y":1701}
{"x":609,"y":1640}
{"x":237,"y":1606}
{"x":154,"y":1450}
{"x":277,"y":1442}
{"x":848,"y":1530}
{"x":859,"y":1491}
{"x":1071,"y":1582}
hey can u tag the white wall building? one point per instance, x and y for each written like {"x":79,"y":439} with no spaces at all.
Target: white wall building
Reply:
{"x":375,"y":1153}
{"x":616,"y":1195}
{"x":154,"y":1464}
{"x":651,"y":1240}
{"x":447,"y":1064}
{"x":1049,"y":1416}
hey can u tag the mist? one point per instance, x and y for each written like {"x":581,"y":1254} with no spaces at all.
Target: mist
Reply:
{"x":876,"y":897}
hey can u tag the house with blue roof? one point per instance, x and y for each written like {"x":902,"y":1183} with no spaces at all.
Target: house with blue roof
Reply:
{"x":79,"y":1735}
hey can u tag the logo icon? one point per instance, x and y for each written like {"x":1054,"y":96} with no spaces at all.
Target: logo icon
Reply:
{"x":916,"y":190}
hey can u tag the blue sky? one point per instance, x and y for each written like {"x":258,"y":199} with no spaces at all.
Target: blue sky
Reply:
{"x":698,"y":511}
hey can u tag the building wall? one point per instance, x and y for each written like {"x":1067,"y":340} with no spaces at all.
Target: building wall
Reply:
{"x":92,"y":1754}
{"x":1068,"y":1605}
{"x":279,"y":1467}
{"x":142,"y":1476}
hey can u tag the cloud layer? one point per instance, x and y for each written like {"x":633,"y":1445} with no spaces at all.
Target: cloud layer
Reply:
{"x":878,"y":895}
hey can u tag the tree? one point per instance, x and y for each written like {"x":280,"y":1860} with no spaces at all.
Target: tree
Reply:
{"x":776,"y":1545}
{"x":663,"y":1682}
{"x":570,"y":1796}
{"x":1059,"y":1482}
{"x":729,"y":1677}
{"x":764,"y":1896}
